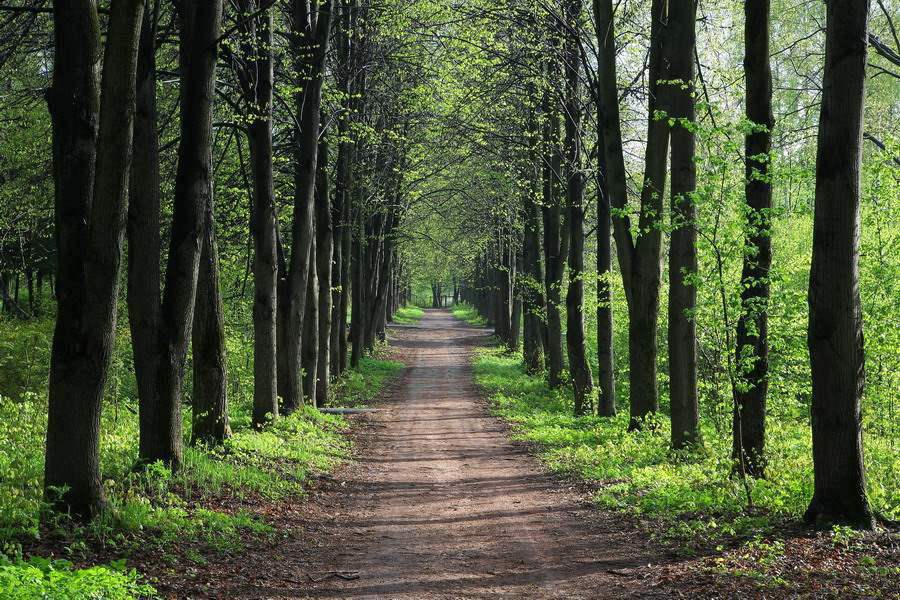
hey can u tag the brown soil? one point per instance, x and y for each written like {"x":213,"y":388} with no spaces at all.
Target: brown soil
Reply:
{"x":439,"y":504}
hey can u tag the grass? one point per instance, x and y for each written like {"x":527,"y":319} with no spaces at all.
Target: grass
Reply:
{"x":409,"y":315}
{"x":207,"y":507}
{"x":468,"y":314}
{"x":691,"y":493}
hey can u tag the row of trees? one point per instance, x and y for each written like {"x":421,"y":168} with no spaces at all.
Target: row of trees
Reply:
{"x":293,"y":82}
{"x":533,"y":263}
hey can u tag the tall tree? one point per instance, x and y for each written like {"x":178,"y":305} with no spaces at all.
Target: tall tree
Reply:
{"x":606,"y":373}
{"x":752,"y":352}
{"x":325,"y":251}
{"x":310,"y":33}
{"x":199,"y":29}
{"x":684,"y":405}
{"x":835,"y":336}
{"x":639,"y":256}
{"x":92,"y":137}
{"x":255,"y":74}
{"x":579,"y":367}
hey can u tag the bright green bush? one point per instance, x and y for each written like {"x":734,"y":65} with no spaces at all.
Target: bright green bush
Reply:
{"x":41,"y":579}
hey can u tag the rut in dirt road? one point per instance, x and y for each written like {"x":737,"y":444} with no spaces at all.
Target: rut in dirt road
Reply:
{"x":442,"y":505}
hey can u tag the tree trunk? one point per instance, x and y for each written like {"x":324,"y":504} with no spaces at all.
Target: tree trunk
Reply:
{"x":532,"y":286}
{"x":606,"y":374}
{"x":309,"y":350}
{"x":579,"y":367}
{"x":144,"y":246}
{"x":200,"y":24}
{"x":324,"y":255}
{"x":752,"y":351}
{"x":210,"y":391}
{"x":835,"y":315}
{"x":553,"y":257}
{"x":91,"y":160}
{"x":639,"y":260}
{"x":685,"y":409}
{"x":310,"y":33}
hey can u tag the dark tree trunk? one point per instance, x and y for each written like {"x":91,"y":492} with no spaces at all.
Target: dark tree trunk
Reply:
{"x":356,"y":331}
{"x":200,"y":24}
{"x":532,"y":285}
{"x":639,"y":260}
{"x":515,"y":332}
{"x":752,"y":352}
{"x":579,"y":367}
{"x":835,"y":314}
{"x":606,"y":374}
{"x":144,"y":246}
{"x":324,"y":256}
{"x":310,"y":33}
{"x":309,"y":351}
{"x":91,"y":161}
{"x":685,"y":409}
{"x":210,"y":391}
{"x":256,"y":85}
{"x":553,"y":256}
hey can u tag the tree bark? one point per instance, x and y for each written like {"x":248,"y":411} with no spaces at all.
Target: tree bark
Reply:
{"x":144,"y":246}
{"x":639,"y":260}
{"x":606,"y":374}
{"x":579,"y":367}
{"x":532,"y":285}
{"x":684,"y":406}
{"x":553,"y":256}
{"x":199,"y":27}
{"x":256,"y":85}
{"x":324,"y":257}
{"x":309,"y":350}
{"x":210,"y":391}
{"x":92,"y":138}
{"x":835,"y":336}
{"x":310,"y":33}
{"x":752,"y":351}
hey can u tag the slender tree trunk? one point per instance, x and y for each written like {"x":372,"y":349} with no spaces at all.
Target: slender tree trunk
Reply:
{"x":579,"y":367}
{"x":835,"y":315}
{"x":324,"y":256}
{"x":92,"y":138}
{"x":256,"y":83}
{"x":685,"y":409}
{"x":200,"y":24}
{"x":210,"y":392}
{"x":144,"y":246}
{"x":309,"y":351}
{"x":752,"y":352}
{"x":639,"y":260}
{"x":532,"y":287}
{"x":553,"y":257}
{"x":310,"y":34}
{"x":606,"y":374}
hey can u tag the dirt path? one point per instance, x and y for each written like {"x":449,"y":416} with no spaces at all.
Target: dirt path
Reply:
{"x":439,"y":504}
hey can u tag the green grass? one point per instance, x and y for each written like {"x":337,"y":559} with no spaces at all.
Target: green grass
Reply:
{"x":205,"y":508}
{"x":467,"y":313}
{"x":691,"y":492}
{"x":409,"y":315}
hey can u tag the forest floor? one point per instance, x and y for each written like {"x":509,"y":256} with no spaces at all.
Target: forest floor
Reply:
{"x":438,"y":503}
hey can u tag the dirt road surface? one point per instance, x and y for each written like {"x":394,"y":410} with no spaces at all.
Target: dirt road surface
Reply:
{"x":440,"y":504}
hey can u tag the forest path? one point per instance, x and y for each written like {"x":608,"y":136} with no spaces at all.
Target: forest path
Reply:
{"x":440,"y":504}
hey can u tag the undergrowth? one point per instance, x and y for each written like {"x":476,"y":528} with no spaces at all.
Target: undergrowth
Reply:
{"x":691,"y":493}
{"x":205,"y":507}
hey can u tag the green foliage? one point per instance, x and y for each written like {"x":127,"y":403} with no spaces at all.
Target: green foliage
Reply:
{"x":693,"y":492}
{"x":359,"y":386}
{"x":42,"y":579}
